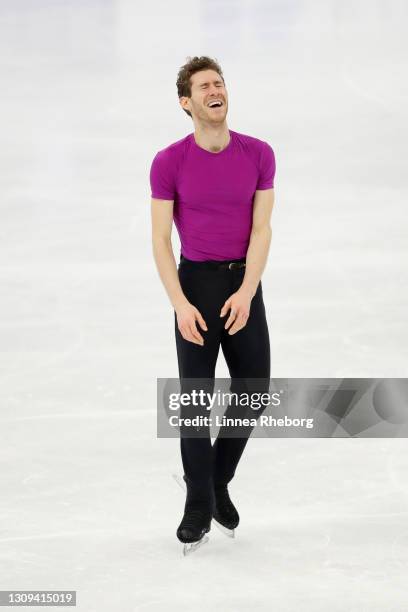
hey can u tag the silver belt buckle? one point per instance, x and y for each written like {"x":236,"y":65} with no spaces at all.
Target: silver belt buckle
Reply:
{"x":237,"y":264}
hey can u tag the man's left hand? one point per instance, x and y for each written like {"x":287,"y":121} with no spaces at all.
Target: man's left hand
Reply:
{"x":240,"y":304}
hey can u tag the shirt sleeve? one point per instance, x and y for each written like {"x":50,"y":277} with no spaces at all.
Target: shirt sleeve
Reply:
{"x":162,"y":181}
{"x":267,"y":168}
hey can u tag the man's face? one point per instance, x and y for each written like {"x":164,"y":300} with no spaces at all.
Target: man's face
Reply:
{"x":207,"y":87}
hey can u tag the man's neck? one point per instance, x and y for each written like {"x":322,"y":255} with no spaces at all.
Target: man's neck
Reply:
{"x":213,"y":139}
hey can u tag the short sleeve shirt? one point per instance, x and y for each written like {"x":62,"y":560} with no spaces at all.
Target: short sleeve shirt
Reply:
{"x":213,"y":193}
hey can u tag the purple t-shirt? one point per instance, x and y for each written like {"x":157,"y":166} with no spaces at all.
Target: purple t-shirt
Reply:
{"x":213,"y":193}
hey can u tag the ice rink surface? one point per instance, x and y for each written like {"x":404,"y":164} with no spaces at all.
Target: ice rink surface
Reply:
{"x":87,"y":499}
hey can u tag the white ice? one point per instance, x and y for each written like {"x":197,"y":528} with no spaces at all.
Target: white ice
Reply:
{"x":87,"y":499}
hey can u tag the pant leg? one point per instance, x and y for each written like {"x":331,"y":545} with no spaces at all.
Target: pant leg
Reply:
{"x":207,"y":290}
{"x":247,"y":354}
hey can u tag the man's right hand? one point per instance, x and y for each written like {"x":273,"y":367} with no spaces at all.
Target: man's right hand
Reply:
{"x":187,"y":316}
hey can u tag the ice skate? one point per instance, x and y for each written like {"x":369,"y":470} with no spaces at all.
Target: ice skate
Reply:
{"x":196,"y":523}
{"x":192,"y":530}
{"x":225,"y":515}
{"x":226,"y":518}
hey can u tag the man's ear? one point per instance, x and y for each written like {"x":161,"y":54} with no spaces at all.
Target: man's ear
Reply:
{"x":183,"y":102}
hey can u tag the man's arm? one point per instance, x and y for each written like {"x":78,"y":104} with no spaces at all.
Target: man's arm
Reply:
{"x":187,"y":314}
{"x":239,"y":303}
{"x":260,"y":240}
{"x":162,"y":222}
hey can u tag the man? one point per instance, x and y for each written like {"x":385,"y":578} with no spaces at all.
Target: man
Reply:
{"x":217,"y":185}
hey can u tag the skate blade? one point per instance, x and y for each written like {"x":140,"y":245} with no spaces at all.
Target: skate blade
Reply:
{"x":192,"y":546}
{"x":180,"y":481}
{"x":230,"y":533}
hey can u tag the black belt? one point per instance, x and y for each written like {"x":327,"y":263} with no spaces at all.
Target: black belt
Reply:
{"x":231,"y":264}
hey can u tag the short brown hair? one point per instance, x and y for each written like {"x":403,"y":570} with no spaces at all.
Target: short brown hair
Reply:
{"x":193,"y":65}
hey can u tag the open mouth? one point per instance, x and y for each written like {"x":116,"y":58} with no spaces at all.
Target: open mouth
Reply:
{"x":215,"y":104}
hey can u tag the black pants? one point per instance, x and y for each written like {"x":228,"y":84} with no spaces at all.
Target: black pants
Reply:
{"x":207,"y":285}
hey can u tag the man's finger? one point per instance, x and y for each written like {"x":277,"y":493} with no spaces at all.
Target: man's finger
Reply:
{"x":190,"y":338}
{"x":230,"y":320}
{"x":196,"y":334}
{"x":234,"y":329}
{"x":225,"y":308}
{"x":201,"y":322}
{"x":187,"y":335}
{"x":239,"y":324}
